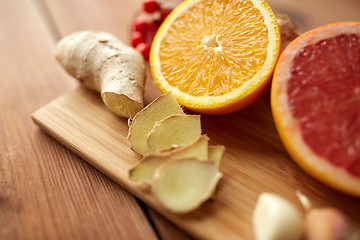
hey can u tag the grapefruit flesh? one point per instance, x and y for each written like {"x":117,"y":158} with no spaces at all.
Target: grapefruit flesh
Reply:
{"x":324,"y":95}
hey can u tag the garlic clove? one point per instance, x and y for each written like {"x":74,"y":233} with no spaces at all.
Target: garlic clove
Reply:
{"x":275,"y":218}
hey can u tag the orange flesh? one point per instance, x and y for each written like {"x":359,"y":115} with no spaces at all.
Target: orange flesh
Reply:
{"x":324,"y":96}
{"x":214,"y":47}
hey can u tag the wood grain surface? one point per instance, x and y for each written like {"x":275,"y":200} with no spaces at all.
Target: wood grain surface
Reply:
{"x":47,"y":192}
{"x":254,"y":162}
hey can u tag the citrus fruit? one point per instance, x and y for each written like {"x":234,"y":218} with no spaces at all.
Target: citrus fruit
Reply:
{"x":216,"y":56}
{"x":315,"y":100}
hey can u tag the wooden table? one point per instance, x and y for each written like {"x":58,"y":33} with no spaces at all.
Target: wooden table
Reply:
{"x":46,"y":191}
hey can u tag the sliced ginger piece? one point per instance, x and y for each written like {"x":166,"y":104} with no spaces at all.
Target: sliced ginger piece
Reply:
{"x":216,"y":153}
{"x":275,"y":218}
{"x":174,"y":131}
{"x":183,"y":185}
{"x":144,"y":171}
{"x":140,"y":126}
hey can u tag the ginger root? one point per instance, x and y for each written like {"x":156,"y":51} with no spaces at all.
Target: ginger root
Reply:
{"x":288,"y":29}
{"x":103,"y":63}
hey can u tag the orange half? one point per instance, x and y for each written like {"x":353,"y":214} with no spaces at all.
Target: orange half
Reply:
{"x":216,"y":56}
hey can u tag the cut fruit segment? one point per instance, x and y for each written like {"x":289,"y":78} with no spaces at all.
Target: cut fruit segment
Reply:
{"x":315,"y":99}
{"x":174,"y":131}
{"x":141,"y":125}
{"x":183,"y":185}
{"x":216,"y":56}
{"x":144,"y":172}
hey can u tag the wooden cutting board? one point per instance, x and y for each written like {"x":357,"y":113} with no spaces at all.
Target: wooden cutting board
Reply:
{"x":255,"y":161}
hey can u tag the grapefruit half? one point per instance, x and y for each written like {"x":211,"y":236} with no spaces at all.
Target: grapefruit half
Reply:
{"x":315,"y":100}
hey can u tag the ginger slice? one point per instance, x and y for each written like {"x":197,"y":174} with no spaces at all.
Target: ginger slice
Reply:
{"x":103,"y":63}
{"x":275,"y":218}
{"x":141,"y":125}
{"x":144,"y":171}
{"x":174,"y":131}
{"x":183,"y":185}
{"x":216,"y":153}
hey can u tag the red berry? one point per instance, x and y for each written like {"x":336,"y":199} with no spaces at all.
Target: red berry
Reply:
{"x":151,"y":26}
{"x":151,"y":6}
{"x":137,"y":37}
{"x":164,"y":13}
{"x":157,"y":23}
{"x":144,"y":49}
{"x":150,"y":36}
{"x":139,"y":25}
